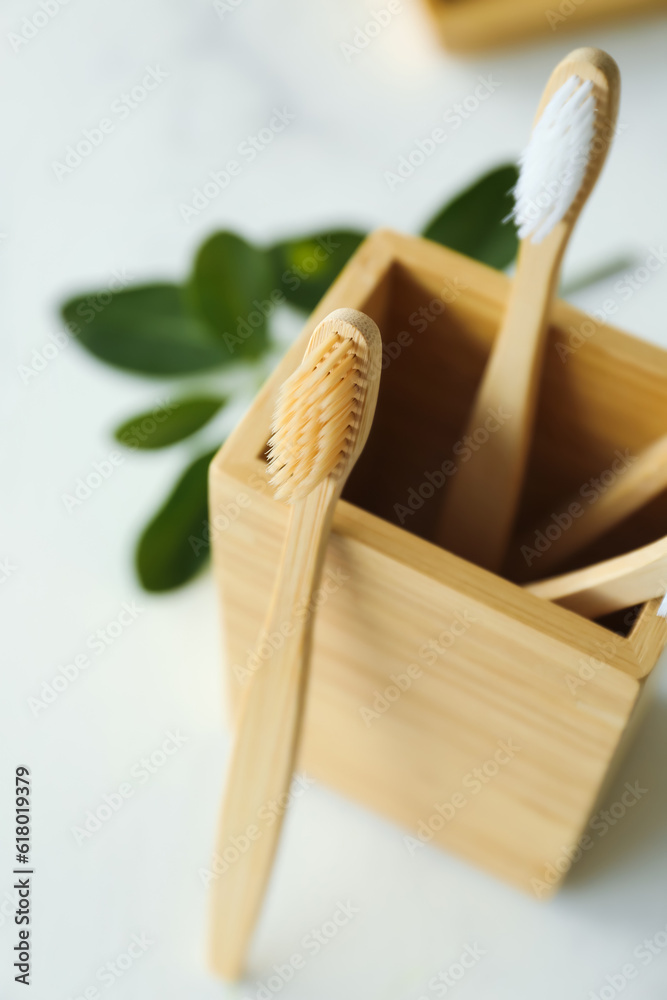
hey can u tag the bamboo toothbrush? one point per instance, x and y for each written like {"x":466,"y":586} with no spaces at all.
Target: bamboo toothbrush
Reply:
{"x":633,"y":578}
{"x":322,"y":419}
{"x":572,"y":132}
{"x":643,"y":480}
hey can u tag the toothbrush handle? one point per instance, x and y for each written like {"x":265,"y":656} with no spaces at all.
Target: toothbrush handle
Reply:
{"x":268,"y":727}
{"x":633,"y":578}
{"x":481,"y":500}
{"x":637,"y":482}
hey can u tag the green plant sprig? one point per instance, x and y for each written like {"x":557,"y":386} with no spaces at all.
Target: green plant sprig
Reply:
{"x":222,"y":317}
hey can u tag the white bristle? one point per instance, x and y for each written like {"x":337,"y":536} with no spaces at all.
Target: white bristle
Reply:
{"x":315,"y":418}
{"x":554,"y":164}
{"x":662,"y":610}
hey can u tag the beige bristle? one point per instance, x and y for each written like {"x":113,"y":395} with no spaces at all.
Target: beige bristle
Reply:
{"x":316,"y":418}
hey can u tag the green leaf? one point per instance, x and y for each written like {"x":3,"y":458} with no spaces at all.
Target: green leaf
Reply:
{"x":230,"y":288}
{"x":473,"y":222}
{"x":306,"y":267}
{"x":168,"y":422}
{"x":601,"y":272}
{"x":146,"y":329}
{"x":172,"y":547}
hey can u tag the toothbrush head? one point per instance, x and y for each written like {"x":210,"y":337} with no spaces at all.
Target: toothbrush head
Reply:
{"x":568,"y":144}
{"x":324,"y":410}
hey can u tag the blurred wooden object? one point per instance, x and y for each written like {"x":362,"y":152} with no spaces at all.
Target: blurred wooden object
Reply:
{"x":471,"y":25}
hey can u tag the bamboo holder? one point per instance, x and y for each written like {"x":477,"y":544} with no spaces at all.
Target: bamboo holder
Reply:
{"x":478,"y":659}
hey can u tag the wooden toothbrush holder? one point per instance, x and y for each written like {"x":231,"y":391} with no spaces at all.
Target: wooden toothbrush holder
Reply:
{"x":477,"y":716}
{"x":472,"y":25}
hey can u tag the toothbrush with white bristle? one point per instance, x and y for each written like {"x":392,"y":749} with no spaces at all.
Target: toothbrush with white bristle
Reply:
{"x":568,"y":145}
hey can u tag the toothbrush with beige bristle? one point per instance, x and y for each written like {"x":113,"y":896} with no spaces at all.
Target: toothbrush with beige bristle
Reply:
{"x":321,"y":422}
{"x":571,"y":135}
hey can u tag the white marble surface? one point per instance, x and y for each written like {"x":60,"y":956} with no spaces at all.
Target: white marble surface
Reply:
{"x":119,"y":210}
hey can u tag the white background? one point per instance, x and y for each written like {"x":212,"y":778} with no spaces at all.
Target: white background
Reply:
{"x":120,"y":210}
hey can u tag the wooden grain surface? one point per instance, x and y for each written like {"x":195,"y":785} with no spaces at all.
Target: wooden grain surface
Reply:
{"x":508,"y":665}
